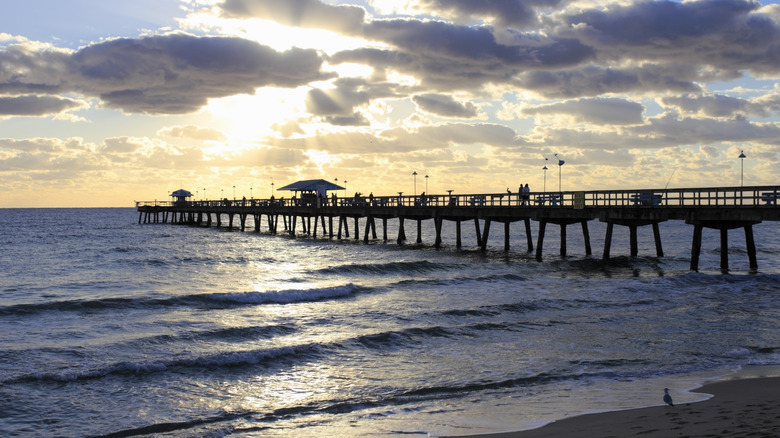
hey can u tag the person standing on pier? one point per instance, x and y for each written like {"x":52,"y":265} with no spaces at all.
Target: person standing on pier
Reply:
{"x":526,"y":194}
{"x":520,"y":194}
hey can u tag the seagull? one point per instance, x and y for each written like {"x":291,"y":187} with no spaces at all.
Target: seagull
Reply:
{"x":668,"y":398}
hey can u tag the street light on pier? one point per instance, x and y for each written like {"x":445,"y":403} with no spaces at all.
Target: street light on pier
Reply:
{"x":234,"y":193}
{"x":426,"y":183}
{"x":272,"y":188}
{"x":415,"y":181}
{"x":545,"y":174}
{"x":560,"y":164}
{"x":742,"y":168}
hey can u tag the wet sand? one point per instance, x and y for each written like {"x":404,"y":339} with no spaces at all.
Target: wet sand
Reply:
{"x":746,"y":407}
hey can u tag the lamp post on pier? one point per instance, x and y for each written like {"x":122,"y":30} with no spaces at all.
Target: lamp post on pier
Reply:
{"x":560,"y":164}
{"x":414,"y":174}
{"x":426,"y":183}
{"x":545,"y":174}
{"x":234,"y":193}
{"x":741,"y":168}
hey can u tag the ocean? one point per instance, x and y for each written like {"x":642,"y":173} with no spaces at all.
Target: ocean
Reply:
{"x":110,"y":328}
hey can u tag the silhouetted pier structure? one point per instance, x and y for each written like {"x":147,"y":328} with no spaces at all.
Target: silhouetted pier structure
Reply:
{"x":722,"y":208}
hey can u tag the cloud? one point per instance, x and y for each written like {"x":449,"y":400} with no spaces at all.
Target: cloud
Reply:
{"x":601,"y":111}
{"x":32,"y":105}
{"x":298,"y":13}
{"x":356,"y":119}
{"x":167,"y":74}
{"x":670,"y":129}
{"x":664,"y":131}
{"x":506,"y":13}
{"x":446,"y":57}
{"x":594,"y":80}
{"x":193,"y":132}
{"x":402,"y":140}
{"x":730,"y":35}
{"x":347,"y":94}
{"x":715,"y":105}
{"x":446,"y":106}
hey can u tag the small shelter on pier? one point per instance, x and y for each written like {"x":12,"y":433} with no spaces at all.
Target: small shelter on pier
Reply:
{"x":181,"y":196}
{"x":312,"y":190}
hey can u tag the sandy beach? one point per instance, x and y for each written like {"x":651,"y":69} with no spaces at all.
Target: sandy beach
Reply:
{"x":740,"y":407}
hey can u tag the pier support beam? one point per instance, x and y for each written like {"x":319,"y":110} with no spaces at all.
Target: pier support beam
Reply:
{"x":633,"y":225}
{"x":401,"y":232}
{"x":608,"y":240}
{"x":540,"y":241}
{"x":506,"y":236}
{"x":437,"y":223}
{"x":357,"y":229}
{"x":485,"y":235}
{"x":563,"y":224}
{"x":723,"y":227}
{"x":750,"y":245}
{"x":529,"y":239}
{"x":586,"y":237}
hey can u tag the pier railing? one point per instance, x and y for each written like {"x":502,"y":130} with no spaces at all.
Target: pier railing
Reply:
{"x":754,"y":196}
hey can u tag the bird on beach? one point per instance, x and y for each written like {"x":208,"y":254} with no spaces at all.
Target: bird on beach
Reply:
{"x":668,"y":398}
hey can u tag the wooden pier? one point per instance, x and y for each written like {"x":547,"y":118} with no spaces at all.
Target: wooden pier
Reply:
{"x":723,"y":209}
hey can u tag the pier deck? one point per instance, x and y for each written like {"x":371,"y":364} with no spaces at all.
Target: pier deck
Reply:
{"x":722,"y":208}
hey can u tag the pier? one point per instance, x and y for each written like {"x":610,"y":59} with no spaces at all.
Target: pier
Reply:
{"x":721,"y":209}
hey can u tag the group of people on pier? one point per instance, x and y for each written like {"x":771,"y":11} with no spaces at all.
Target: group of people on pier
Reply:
{"x":523,"y":194}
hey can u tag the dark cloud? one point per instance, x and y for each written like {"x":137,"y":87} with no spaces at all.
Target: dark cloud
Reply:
{"x":356,"y":119}
{"x":445,"y":57}
{"x":594,"y":81}
{"x":168,"y":74}
{"x":347,"y":94}
{"x":299,"y":13}
{"x":602,"y":111}
{"x":726,"y":34}
{"x":447,"y":43}
{"x":33,"y":105}
{"x":446,"y":106}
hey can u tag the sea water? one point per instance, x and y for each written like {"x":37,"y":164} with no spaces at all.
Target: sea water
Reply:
{"x":113,"y":328}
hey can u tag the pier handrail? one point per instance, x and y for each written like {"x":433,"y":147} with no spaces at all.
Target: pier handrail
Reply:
{"x":753,"y":196}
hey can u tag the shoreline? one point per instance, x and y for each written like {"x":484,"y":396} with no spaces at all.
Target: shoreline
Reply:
{"x":742,"y":404}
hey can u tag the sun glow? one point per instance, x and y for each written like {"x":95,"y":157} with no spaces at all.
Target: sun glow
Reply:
{"x":245,"y":117}
{"x":275,"y":35}
{"x":319,"y":158}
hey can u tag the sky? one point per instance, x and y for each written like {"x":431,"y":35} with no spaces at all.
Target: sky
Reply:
{"x":108,"y":102}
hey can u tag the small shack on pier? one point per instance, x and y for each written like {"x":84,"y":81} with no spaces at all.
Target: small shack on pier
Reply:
{"x":312,"y":190}
{"x":181,"y":196}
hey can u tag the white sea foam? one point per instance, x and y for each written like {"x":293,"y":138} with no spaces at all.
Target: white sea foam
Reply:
{"x":286,"y":296}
